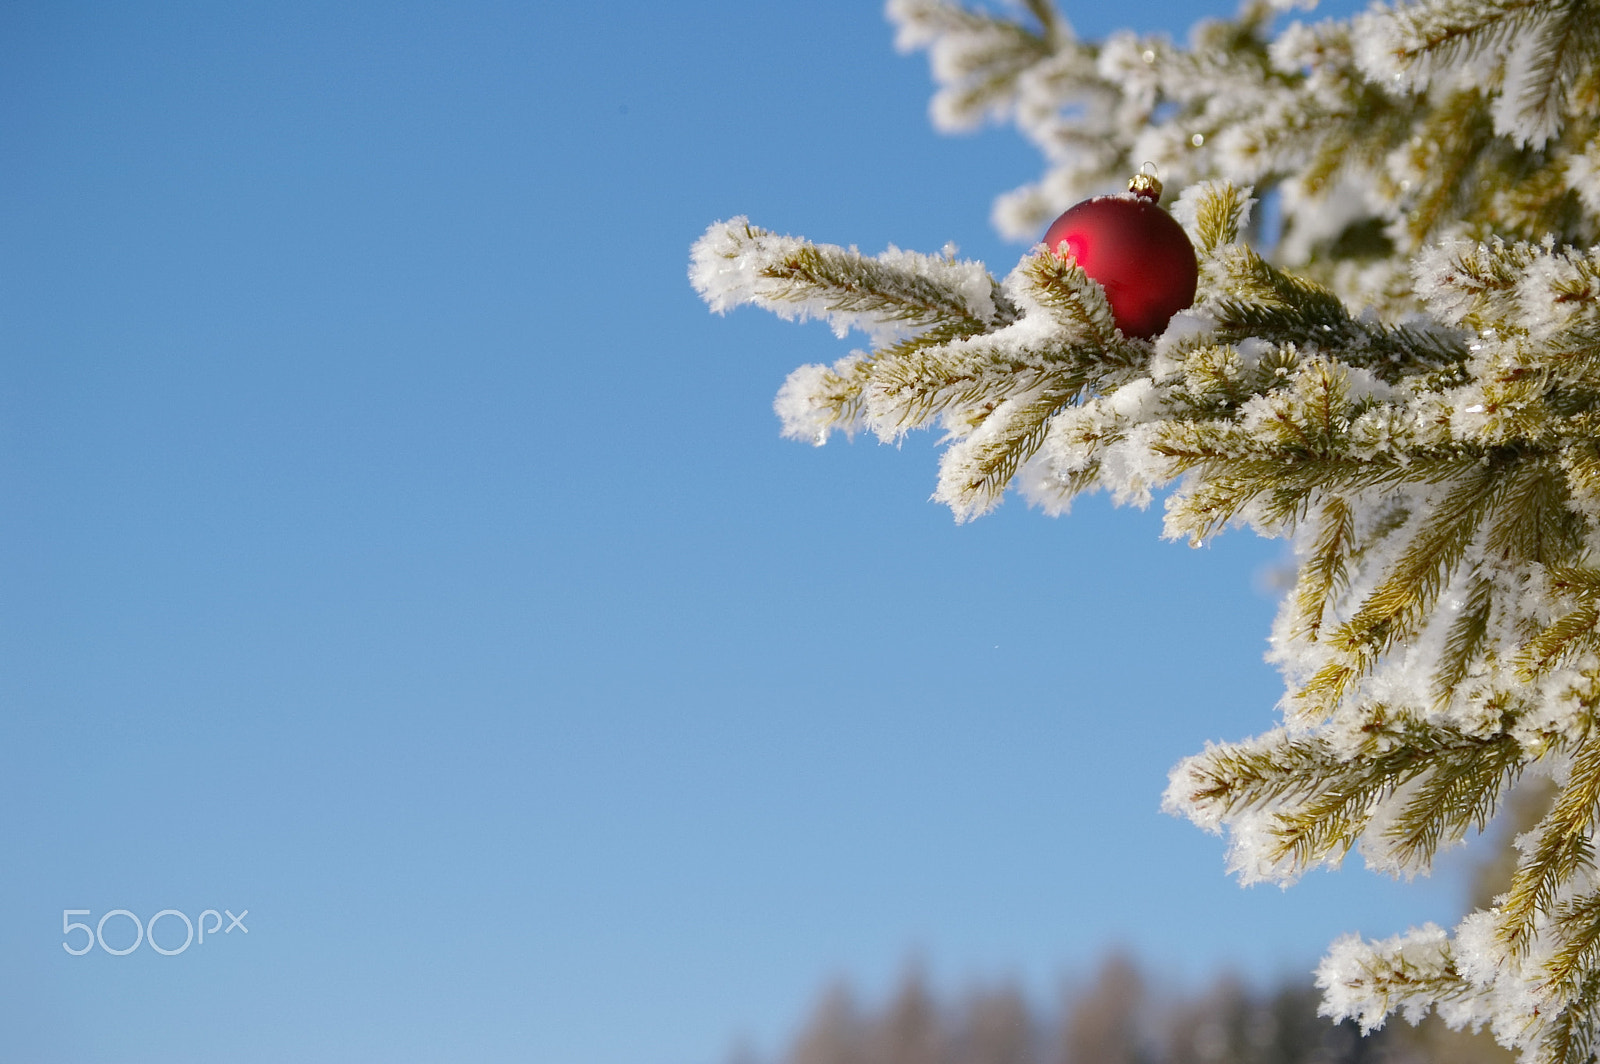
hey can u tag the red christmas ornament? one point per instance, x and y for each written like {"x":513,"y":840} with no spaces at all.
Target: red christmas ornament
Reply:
{"x":1138,"y":253}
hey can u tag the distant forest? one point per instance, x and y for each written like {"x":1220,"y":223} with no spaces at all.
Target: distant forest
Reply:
{"x":1119,"y":1015}
{"x":1114,"y":1018}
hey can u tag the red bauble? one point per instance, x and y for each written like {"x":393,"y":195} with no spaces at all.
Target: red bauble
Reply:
{"x":1138,"y":253}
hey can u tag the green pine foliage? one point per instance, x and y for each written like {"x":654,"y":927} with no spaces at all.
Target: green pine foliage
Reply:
{"x":1405,"y":383}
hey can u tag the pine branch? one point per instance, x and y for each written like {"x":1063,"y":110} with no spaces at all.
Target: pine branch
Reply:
{"x":1411,"y":586}
{"x":1564,"y":844}
{"x":735,"y":263}
{"x":848,"y":283}
{"x":1465,"y":641}
{"x":911,"y":387}
{"x":1267,"y":303}
{"x":1445,"y":156}
{"x":818,"y":400}
{"x":1367,"y":982}
{"x":1550,"y":57}
{"x":1413,"y":457}
{"x":1231,"y":473}
{"x":977,"y":57}
{"x":1459,"y":793}
{"x":1573,"y":1036}
{"x":1229,"y":779}
{"x":1215,"y":212}
{"x":1058,"y":287}
{"x":1410,"y":44}
{"x":1534,"y":522}
{"x":1323,"y":573}
{"x":974,"y":473}
{"x":1474,"y":284}
{"x":1570,"y":635}
{"x":1461,"y":780}
{"x":1561,"y":642}
{"x":1580,"y":464}
{"x":1217,"y":381}
{"x":1576,"y":927}
{"x":1320,"y":800}
{"x":1354,"y":137}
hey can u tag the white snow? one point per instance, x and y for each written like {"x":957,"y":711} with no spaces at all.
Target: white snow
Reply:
{"x":1194,"y":113}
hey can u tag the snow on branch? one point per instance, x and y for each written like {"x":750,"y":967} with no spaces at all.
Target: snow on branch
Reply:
{"x":1538,"y":48}
{"x":883,"y":296}
{"x":1392,"y":360}
{"x":976,"y":57}
{"x":1439,"y":480}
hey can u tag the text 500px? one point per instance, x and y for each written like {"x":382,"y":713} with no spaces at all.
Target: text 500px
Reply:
{"x":194,"y":931}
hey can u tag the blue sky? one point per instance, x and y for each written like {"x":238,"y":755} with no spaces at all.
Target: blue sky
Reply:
{"x":394,"y":547}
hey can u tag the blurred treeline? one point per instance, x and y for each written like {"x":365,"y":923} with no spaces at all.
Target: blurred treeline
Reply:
{"x":1112,"y":1018}
{"x":1118,"y":1016}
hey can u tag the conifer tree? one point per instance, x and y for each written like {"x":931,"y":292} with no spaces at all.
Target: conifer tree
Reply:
{"x":1114,"y":1016}
{"x":1401,"y":375}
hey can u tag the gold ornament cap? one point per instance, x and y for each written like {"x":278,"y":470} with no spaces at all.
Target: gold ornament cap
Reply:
{"x":1145,"y":184}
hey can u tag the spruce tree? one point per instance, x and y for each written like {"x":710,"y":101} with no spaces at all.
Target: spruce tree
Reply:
{"x":1400,"y":374}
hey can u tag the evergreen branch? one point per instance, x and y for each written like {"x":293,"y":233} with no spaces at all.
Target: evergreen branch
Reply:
{"x":1323,"y":573}
{"x":1282,"y":485}
{"x":1576,"y":927}
{"x":1255,"y":286}
{"x":1560,"y":310}
{"x":1575,"y":357}
{"x":1066,"y":484}
{"x":1366,"y":982}
{"x":1320,"y":800}
{"x":1412,"y":43}
{"x":1356,"y":136}
{"x":1464,"y":641}
{"x":1445,"y":151}
{"x":1045,"y":12}
{"x":909,"y":389}
{"x":1233,"y":778}
{"x":1076,"y":305}
{"x":1467,"y":469}
{"x":736,"y":263}
{"x":817,"y":400}
{"x":1544,"y":63}
{"x":1580,"y":464}
{"x":1264,"y":302}
{"x":1564,"y":844}
{"x":976,"y":57}
{"x":1216,"y":212}
{"x":1539,"y":199}
{"x":1007,"y":387}
{"x":974,"y":473}
{"x":1311,"y":416}
{"x":1461,"y":775}
{"x":1570,"y":635}
{"x":1582,"y":583}
{"x":1474,"y":284}
{"x":1534,"y":522}
{"x":1391,"y":516}
{"x":1396,"y":351}
{"x":986,"y":85}
{"x":1572,"y":1036}
{"x":933,"y":338}
{"x":1411,"y":586}
{"x":1460,"y":792}
{"x":847,"y":282}
{"x":1217,"y":381}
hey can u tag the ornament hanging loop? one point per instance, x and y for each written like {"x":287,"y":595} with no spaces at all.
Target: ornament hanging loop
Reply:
{"x":1145,"y":184}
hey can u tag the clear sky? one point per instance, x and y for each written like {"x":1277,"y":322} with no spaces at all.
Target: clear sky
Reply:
{"x":395,"y":548}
